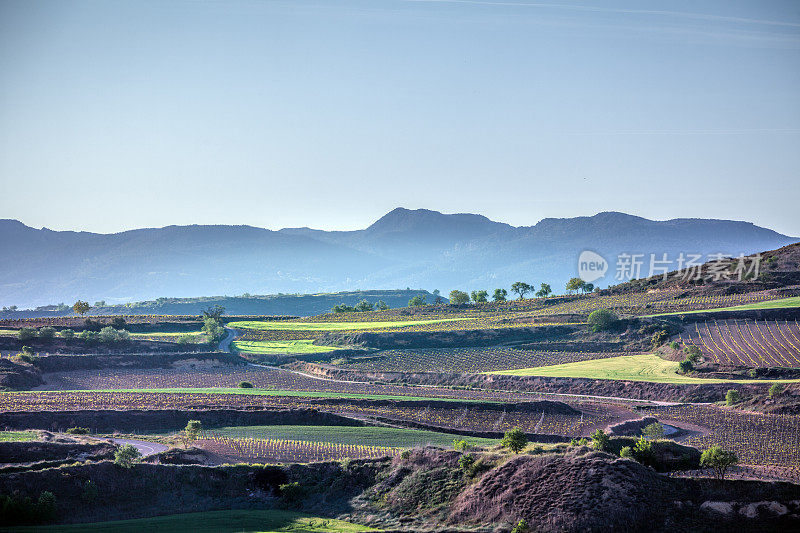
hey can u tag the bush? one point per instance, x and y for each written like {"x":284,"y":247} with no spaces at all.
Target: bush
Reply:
{"x":515,"y":440}
{"x":653,"y":431}
{"x":245,"y":385}
{"x":90,"y":491}
{"x":685,"y":366}
{"x":26,"y":334}
{"x":718,"y":460}
{"x":521,"y":527}
{"x":126,"y":456}
{"x":67,"y":334}
{"x":732,"y":397}
{"x":659,"y":338}
{"x":626,"y":452}
{"x":600,"y":440}
{"x":109,"y":334}
{"x":466,"y":461}
{"x":16,"y":509}
{"x":186,"y":339}
{"x":47,"y":333}
{"x":692,"y":353}
{"x":775,"y":390}
{"x":78,"y":431}
{"x":462,"y":445}
{"x":417,"y":301}
{"x":602,"y":320}
{"x":291,"y":494}
{"x":89,"y":336}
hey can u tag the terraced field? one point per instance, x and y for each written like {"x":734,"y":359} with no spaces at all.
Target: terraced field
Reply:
{"x":466,"y":360}
{"x":751,"y":343}
{"x":302,"y":346}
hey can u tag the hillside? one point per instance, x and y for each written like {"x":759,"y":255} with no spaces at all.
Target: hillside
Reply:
{"x":416,"y":248}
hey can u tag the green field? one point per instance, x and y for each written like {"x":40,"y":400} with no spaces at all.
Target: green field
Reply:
{"x":771,"y":304}
{"x":18,"y":436}
{"x":239,"y":521}
{"x":333,"y":326}
{"x":366,"y":436}
{"x":641,"y":367}
{"x":166,"y":333}
{"x":279,"y":347}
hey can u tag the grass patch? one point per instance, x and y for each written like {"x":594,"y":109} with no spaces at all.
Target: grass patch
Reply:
{"x":783,"y":303}
{"x":365,"y":436}
{"x":238,"y":521}
{"x":280,"y":347}
{"x":641,"y":367}
{"x":167,"y":334}
{"x":18,"y":436}
{"x":333,"y":326}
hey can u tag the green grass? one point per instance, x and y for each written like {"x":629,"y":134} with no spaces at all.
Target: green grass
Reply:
{"x":278,"y":347}
{"x":332,"y":326}
{"x":642,"y":367}
{"x":239,"y":521}
{"x":18,"y":436}
{"x":366,"y":436}
{"x":167,"y":334}
{"x":771,"y":304}
{"x":257,"y":392}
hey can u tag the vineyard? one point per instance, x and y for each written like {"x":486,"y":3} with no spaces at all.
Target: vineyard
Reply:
{"x":750,"y":343}
{"x":757,"y":439}
{"x":466,"y":360}
{"x":288,"y":451}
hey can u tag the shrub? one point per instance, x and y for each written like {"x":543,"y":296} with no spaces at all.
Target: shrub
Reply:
{"x":245,"y":385}
{"x":126,"y":456}
{"x":67,"y":334}
{"x":89,"y":336}
{"x":78,"y":431}
{"x":26,"y":334}
{"x":191,"y":432}
{"x":291,"y":493}
{"x":775,"y":390}
{"x":718,"y":460}
{"x":692,"y":353}
{"x":46,"y":507}
{"x":462,"y":445}
{"x":600,"y":440}
{"x":626,"y":452}
{"x":186,"y":339}
{"x":653,"y":431}
{"x":675,"y":345}
{"x":515,"y":440}
{"x":417,"y":301}
{"x":47,"y":333}
{"x":466,"y":461}
{"x":521,"y":527}
{"x":90,"y":491}
{"x":659,"y":338}
{"x":685,"y":366}
{"x":732,"y":397}
{"x":602,"y":320}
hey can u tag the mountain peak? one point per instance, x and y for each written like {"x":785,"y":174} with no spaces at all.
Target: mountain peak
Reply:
{"x":402,"y":219}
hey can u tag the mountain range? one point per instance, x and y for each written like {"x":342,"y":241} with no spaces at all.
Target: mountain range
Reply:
{"x":404,"y":248}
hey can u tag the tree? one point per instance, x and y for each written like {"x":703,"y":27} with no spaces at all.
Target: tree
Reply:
{"x":600,"y":440}
{"x":214,"y":312}
{"x":521,"y":527}
{"x":587,"y":287}
{"x":499,"y":295}
{"x":47,"y":332}
{"x":344,"y":308}
{"x":653,"y":431}
{"x":575,"y":284}
{"x":100,"y":303}
{"x":692,"y":353}
{"x":602,"y":320}
{"x":544,"y":291}
{"x":26,"y":334}
{"x":515,"y":440}
{"x":245,"y":385}
{"x":67,"y":334}
{"x":126,"y":455}
{"x":521,"y":288}
{"x":364,"y":306}
{"x":191,"y":432}
{"x":458,"y":297}
{"x":479,"y":297}
{"x":381,"y":305}
{"x":685,"y":366}
{"x":80,"y":307}
{"x":417,"y":301}
{"x":732,"y":397}
{"x":775,"y":390}
{"x":213,"y":330}
{"x":718,"y":460}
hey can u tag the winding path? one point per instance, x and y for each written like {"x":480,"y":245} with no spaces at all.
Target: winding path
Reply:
{"x":145,"y":448}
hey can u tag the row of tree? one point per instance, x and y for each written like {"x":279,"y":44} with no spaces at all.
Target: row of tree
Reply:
{"x":361,"y":307}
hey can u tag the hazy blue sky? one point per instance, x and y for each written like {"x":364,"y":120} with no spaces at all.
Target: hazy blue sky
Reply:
{"x":116,"y":115}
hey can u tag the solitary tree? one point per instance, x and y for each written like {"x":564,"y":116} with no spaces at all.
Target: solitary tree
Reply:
{"x":521,"y":288}
{"x":479,"y":296}
{"x":653,"y":431}
{"x":126,"y":455}
{"x":80,"y":307}
{"x":499,"y":295}
{"x":364,"y":306}
{"x":600,"y":440}
{"x":587,"y":287}
{"x":602,"y":320}
{"x":718,"y":460}
{"x":458,"y":297}
{"x":732,"y":397}
{"x":381,"y":306}
{"x":214,"y":312}
{"x":191,"y":432}
{"x":515,"y":440}
{"x":575,"y":284}
{"x":544,"y":291}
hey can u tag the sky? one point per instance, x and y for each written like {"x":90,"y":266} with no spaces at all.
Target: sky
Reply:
{"x":123,"y":114}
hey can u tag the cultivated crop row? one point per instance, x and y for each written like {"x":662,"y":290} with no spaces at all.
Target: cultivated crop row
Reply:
{"x":747,"y":342}
{"x":288,"y":451}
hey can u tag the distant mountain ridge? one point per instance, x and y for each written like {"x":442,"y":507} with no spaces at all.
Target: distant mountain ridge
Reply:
{"x":404,"y":248}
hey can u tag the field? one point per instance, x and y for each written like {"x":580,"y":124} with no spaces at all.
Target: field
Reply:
{"x":365,"y":436}
{"x":334,"y":326}
{"x":280,"y":347}
{"x":751,"y":343}
{"x":469,"y":360}
{"x":640,"y":367}
{"x":18,"y":436}
{"x":237,"y":521}
{"x":258,"y":450}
